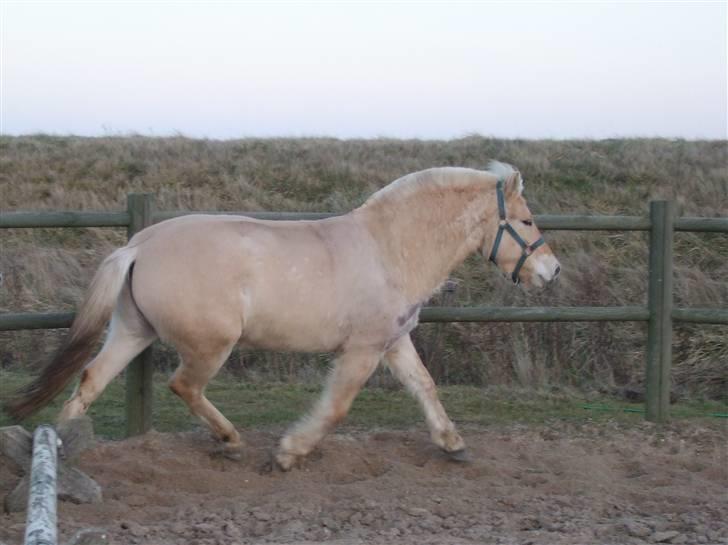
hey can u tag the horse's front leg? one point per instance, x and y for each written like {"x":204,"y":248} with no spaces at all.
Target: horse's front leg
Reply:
{"x":407,"y":366}
{"x":351,"y":370}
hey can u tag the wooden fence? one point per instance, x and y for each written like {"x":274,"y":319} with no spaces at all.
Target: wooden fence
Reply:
{"x":659,"y":312}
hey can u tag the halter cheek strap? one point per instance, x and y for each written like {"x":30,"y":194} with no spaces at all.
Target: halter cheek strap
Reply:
{"x":503,"y":225}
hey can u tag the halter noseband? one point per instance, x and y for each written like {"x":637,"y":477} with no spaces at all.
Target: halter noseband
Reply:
{"x":527,"y":249}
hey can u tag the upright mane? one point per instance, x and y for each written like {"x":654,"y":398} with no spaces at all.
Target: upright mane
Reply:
{"x":501,"y":170}
{"x":422,"y":181}
{"x":439,"y":178}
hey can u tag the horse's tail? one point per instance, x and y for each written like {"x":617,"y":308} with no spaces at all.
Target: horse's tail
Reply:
{"x":86,"y":329}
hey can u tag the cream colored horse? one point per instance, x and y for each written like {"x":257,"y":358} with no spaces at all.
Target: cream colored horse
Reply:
{"x":353,"y":285}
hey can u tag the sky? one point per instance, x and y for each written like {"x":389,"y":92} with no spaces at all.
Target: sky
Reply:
{"x":365,"y":69}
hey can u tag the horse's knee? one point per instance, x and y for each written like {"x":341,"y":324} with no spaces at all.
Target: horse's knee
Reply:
{"x":181,"y":388}
{"x":176,"y":386}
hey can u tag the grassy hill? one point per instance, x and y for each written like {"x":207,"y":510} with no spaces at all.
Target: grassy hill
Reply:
{"x":48,"y":269}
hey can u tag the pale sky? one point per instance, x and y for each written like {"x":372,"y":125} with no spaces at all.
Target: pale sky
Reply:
{"x":344,"y":69}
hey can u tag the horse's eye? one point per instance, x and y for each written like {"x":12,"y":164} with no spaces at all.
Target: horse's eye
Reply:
{"x":527,"y":222}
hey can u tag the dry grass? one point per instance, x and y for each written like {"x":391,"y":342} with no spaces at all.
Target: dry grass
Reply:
{"x":48,"y":269}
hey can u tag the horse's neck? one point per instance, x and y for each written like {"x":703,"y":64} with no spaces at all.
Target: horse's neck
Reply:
{"x":424,"y":236}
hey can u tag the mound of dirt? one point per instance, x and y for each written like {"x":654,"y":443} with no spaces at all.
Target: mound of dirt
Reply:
{"x":560,"y":483}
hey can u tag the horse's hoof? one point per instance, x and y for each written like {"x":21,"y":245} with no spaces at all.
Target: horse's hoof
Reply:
{"x":284,"y":460}
{"x":270,"y":466}
{"x":461,"y":456}
{"x":230,"y":452}
{"x":267,"y":467}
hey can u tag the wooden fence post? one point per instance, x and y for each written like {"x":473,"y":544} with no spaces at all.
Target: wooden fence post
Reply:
{"x":41,"y":527}
{"x":659,"y":304}
{"x":141,"y":370}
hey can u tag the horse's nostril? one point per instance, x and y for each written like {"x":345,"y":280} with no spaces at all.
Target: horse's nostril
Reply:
{"x":557,"y":271}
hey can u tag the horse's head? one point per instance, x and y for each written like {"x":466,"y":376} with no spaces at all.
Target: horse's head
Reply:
{"x":512,"y":240}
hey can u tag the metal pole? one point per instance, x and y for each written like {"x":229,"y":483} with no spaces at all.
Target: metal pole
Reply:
{"x":140,"y":372}
{"x":41,"y":525}
{"x":659,"y":304}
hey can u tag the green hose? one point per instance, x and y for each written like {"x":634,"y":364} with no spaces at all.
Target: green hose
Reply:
{"x":628,"y":410}
{"x":608,"y":409}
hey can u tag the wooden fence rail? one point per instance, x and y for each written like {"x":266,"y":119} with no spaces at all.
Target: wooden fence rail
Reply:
{"x":24,"y":220}
{"x":659,"y":312}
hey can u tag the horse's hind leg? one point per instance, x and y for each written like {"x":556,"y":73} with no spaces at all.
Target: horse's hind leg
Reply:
{"x":129,"y":334}
{"x":351,"y":370}
{"x":407,"y":366}
{"x":189,"y":382}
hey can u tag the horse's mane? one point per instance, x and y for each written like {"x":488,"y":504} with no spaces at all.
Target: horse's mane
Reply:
{"x":501,"y":170}
{"x":438,"y":178}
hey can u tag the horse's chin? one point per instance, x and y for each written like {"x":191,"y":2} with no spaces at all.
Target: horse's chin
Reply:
{"x":533,"y":283}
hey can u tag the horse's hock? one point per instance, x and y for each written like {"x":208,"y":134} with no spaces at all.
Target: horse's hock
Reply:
{"x":16,"y":444}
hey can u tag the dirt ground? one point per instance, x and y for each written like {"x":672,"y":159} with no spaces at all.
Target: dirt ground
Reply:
{"x":564,"y":483}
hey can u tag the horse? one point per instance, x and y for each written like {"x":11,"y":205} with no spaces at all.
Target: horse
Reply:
{"x":352,"y":285}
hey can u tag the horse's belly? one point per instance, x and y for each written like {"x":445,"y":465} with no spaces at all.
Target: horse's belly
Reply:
{"x":325,"y":324}
{"x":293,"y":331}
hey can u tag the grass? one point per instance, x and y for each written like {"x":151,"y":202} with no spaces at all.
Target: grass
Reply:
{"x":279,"y":405}
{"x":49,"y":269}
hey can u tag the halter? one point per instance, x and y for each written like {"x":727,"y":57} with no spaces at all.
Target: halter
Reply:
{"x":527,"y":249}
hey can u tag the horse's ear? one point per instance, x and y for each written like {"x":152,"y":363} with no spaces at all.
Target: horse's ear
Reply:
{"x":514,"y":185}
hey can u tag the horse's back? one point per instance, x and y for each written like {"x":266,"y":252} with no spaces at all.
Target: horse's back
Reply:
{"x":278,"y":285}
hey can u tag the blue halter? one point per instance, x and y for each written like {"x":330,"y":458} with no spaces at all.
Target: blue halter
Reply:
{"x":527,"y":249}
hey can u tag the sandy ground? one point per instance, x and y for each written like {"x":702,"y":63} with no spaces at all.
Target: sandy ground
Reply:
{"x":562,"y":483}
